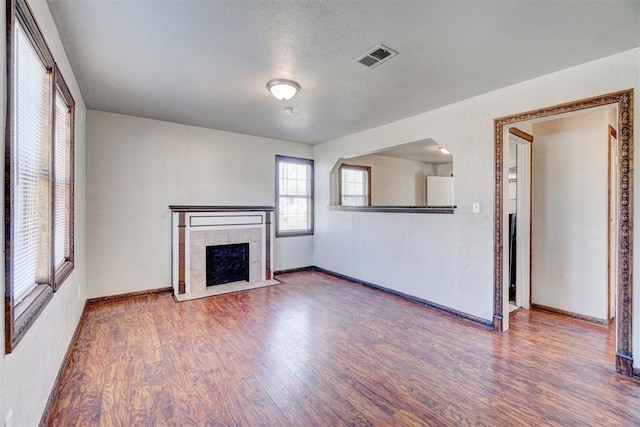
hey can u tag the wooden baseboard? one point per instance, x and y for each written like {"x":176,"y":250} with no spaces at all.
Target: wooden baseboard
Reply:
{"x":602,"y":322}
{"x":624,"y":364}
{"x":118,"y":297}
{"x":412,"y":298}
{"x":294,"y":270}
{"x":66,"y":361}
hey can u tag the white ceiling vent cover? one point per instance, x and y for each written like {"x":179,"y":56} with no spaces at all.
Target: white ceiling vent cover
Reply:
{"x":376,"y":56}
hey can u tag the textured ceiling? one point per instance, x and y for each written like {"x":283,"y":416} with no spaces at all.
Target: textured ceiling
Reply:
{"x":206,"y":63}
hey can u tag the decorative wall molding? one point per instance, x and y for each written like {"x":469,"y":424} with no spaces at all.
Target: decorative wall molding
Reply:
{"x":624,"y":101}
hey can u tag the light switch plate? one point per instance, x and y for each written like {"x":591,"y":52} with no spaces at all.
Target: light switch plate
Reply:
{"x":476,"y":207}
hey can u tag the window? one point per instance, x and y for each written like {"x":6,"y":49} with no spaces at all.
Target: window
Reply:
{"x":294,"y":196}
{"x":39,"y":182}
{"x":63,"y":182}
{"x":355,"y":185}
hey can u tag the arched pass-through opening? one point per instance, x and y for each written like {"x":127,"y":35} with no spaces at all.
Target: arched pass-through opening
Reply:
{"x":624,"y":102}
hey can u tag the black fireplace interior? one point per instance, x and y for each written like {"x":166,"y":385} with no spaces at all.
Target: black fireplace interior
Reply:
{"x":227,"y":263}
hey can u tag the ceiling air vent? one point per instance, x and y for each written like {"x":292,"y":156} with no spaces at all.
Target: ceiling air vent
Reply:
{"x":376,"y":56}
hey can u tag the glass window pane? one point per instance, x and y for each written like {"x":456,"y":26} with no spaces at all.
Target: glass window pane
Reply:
{"x":62,"y":194}
{"x":354,"y":186}
{"x":30,"y":166}
{"x":294,"y":195}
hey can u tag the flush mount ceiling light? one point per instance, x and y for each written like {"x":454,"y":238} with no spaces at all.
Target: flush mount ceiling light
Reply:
{"x":283,"y":89}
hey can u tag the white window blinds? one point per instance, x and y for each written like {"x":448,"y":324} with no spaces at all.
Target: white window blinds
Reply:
{"x":39,"y":177}
{"x":294,"y":201}
{"x":31,"y":165}
{"x":62,"y":191}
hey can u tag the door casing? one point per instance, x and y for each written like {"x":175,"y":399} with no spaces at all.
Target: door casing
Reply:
{"x":624,"y":248}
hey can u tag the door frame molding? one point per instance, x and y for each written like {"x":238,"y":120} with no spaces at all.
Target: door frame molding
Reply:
{"x":624,"y":102}
{"x":525,"y":220}
{"x":612,"y":134}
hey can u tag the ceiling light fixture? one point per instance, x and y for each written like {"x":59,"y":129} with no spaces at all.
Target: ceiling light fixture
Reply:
{"x":443,"y":150}
{"x":283,"y":89}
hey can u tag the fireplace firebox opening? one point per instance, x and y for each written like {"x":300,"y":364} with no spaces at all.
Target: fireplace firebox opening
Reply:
{"x":227,"y":263}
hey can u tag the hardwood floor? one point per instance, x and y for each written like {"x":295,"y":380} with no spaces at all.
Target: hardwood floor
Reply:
{"x":319,"y":351}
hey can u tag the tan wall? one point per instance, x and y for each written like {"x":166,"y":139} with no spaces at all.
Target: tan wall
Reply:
{"x":570,"y":192}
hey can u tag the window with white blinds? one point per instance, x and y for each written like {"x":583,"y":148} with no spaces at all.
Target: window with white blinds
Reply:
{"x":30,"y":164}
{"x":62,"y":190}
{"x":294,"y":196}
{"x":39,"y":178}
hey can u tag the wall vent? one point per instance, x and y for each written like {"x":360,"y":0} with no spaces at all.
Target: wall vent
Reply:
{"x":376,"y":56}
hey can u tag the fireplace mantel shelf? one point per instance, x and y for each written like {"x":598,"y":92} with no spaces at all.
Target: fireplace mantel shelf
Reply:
{"x":204,"y":208}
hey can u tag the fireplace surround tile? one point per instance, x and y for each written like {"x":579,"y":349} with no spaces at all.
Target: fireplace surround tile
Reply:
{"x":200,"y":239}
{"x":196,"y":227}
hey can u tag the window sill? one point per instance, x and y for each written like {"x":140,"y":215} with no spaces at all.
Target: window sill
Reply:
{"x":294,"y":234}
{"x":26,"y":312}
{"x":62,"y":273}
{"x":396,"y":209}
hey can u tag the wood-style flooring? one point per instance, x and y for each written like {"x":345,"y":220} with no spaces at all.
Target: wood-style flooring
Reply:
{"x":320,"y":351}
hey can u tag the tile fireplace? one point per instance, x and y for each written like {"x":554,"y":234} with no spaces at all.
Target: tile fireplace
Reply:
{"x":215,"y":245}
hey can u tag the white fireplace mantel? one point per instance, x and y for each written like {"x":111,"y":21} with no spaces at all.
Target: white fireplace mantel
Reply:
{"x":193,"y":228}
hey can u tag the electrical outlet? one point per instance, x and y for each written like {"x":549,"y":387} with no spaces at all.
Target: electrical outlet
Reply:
{"x":8,"y":421}
{"x":476,"y":207}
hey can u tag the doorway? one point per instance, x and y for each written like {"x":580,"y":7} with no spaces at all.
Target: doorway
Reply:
{"x":623,"y":200}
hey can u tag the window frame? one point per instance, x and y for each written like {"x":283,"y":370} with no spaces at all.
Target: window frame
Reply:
{"x":61,"y":273}
{"x":19,"y":316}
{"x":366,"y":169}
{"x":311,"y":197}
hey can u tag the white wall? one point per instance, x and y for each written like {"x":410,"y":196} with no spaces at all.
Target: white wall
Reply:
{"x":394,"y":182}
{"x":430,"y":169}
{"x":27,"y":374}
{"x":570,"y":214}
{"x":138,"y":167}
{"x":445,"y":169}
{"x":448,"y":259}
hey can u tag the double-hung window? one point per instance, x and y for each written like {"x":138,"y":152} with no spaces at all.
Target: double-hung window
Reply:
{"x":294,"y":196}
{"x":355,"y":185}
{"x":39,"y":178}
{"x":63,"y":183}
